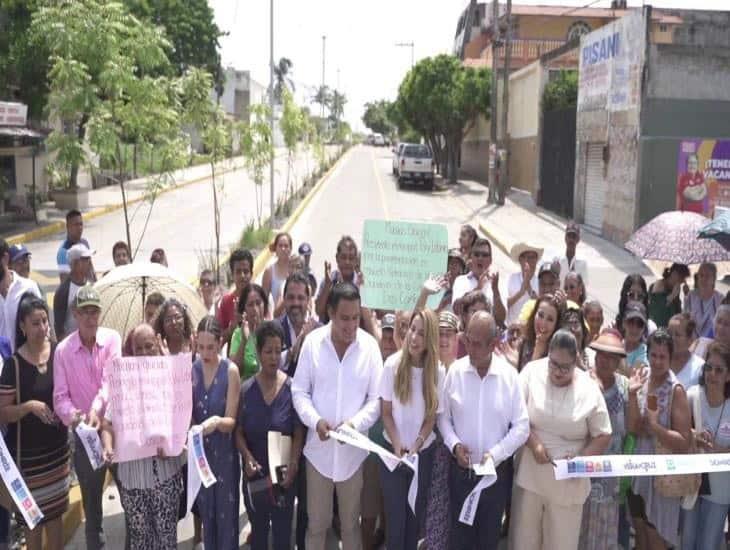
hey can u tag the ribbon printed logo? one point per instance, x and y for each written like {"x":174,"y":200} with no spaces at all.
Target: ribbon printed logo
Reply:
{"x":18,"y":489}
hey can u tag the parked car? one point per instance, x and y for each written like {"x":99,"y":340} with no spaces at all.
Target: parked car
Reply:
{"x":397,"y":150}
{"x":416,"y":165}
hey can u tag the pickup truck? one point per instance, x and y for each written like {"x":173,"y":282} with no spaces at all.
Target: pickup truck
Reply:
{"x":416,"y":165}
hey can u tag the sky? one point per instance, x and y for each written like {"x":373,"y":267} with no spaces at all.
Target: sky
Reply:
{"x":361,"y":56}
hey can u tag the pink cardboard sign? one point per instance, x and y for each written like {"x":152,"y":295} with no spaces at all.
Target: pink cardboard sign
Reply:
{"x":151,"y":400}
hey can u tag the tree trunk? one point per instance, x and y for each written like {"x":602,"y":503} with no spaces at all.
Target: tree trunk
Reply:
{"x":451,"y":151}
{"x":81,"y":135}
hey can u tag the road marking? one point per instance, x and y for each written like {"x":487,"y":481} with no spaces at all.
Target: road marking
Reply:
{"x":386,"y":210}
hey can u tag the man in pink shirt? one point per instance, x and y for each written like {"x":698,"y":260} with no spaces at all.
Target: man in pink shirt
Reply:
{"x":78,"y":370}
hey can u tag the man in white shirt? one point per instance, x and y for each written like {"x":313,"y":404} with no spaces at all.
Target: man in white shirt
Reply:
{"x":481,"y":277}
{"x":569,"y":262}
{"x":523,"y":285}
{"x":336,"y":383}
{"x":484,"y":416}
{"x":12,"y":288}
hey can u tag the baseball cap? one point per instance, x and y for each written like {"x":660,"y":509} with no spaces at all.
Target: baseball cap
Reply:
{"x":87,"y":296}
{"x":572,"y":227}
{"x":78,"y":251}
{"x":388,"y":321}
{"x":448,"y":320}
{"x":548,"y":267}
{"x":635,"y":310}
{"x":18,"y":251}
{"x":305,"y":249}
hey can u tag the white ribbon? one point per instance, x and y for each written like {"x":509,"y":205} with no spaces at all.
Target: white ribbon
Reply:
{"x":640,"y":465}
{"x":471,"y":502}
{"x":346,"y":434}
{"x":198,"y":468}
{"x":17,"y":488}
{"x":92,"y":444}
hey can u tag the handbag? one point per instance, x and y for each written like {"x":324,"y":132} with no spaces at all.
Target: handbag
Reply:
{"x":676,"y":485}
{"x":6,"y":500}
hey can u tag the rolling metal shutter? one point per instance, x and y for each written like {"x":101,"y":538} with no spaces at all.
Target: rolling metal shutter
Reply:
{"x":595,"y":187}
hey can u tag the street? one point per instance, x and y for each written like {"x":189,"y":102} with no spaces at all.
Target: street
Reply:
{"x":360,"y":187}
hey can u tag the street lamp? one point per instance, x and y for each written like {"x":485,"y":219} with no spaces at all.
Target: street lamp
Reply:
{"x":271,"y":111}
{"x":410,"y":45}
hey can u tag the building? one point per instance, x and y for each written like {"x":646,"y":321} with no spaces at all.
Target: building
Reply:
{"x":22,"y":159}
{"x":653,"y":120}
{"x":240,"y":91}
{"x":536,"y":31}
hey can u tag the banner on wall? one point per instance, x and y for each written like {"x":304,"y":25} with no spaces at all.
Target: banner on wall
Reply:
{"x":610,"y":65}
{"x":703,"y":175}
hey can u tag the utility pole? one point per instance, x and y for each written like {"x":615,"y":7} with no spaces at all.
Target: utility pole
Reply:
{"x":410,"y":45}
{"x":324,"y":40}
{"x":504,"y":143}
{"x":493,"y":106}
{"x":271,"y":110}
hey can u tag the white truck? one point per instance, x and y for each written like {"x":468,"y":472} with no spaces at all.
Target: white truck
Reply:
{"x":416,"y":165}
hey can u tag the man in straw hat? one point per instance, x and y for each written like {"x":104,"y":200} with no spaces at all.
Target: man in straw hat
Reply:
{"x":522,"y":286}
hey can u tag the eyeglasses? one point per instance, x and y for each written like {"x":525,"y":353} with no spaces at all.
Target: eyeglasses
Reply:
{"x":174,"y":319}
{"x":481,"y":254}
{"x":565,"y":368}
{"x":717,"y":370}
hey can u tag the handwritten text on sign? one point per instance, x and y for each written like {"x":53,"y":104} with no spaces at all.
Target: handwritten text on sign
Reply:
{"x":397,"y":257}
{"x":151,"y":400}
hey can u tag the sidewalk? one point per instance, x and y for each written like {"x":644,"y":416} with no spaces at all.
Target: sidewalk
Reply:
{"x":521,"y":220}
{"x":109,"y":198}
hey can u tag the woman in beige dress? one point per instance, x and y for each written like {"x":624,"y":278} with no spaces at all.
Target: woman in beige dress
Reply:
{"x":568,"y":417}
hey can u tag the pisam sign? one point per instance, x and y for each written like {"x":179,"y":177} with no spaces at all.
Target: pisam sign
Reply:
{"x":13,"y":114}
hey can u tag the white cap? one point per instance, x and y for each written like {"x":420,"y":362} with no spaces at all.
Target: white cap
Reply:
{"x":78,"y":251}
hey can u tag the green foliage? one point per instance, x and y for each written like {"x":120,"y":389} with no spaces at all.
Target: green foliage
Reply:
{"x":337,"y":103}
{"x":377,"y":117}
{"x":255,"y":237}
{"x":257,"y":145}
{"x":293,"y":123}
{"x":561,"y":92}
{"x":440,"y":98}
{"x":100,"y":80}
{"x":191,"y":29}
{"x":282,"y":80}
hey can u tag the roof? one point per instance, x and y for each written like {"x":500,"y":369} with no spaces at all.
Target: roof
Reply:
{"x":572,"y":11}
{"x":21,"y":132}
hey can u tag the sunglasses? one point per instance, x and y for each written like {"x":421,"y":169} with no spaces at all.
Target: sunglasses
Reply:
{"x":717,"y":370}
{"x":480,"y":254}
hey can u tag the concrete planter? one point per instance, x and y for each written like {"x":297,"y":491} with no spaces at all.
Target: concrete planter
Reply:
{"x":70,"y":199}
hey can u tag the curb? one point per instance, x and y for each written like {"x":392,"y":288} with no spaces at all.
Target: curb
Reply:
{"x":263,"y":257}
{"x":59,"y":226}
{"x":496,"y":238}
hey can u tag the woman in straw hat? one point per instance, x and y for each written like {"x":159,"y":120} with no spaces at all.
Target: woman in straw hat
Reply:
{"x":601,"y":512}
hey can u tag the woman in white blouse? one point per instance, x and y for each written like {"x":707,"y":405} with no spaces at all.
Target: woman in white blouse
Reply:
{"x":410,"y":392}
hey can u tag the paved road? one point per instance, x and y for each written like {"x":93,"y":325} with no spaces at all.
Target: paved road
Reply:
{"x":181,"y":222}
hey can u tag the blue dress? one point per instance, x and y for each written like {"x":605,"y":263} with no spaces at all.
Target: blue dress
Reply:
{"x":218,"y":504}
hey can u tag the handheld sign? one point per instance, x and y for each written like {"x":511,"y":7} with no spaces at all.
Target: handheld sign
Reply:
{"x":397,"y":257}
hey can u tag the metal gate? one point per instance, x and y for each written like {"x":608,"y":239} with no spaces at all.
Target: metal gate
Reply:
{"x":595,"y":187}
{"x":557,"y":165}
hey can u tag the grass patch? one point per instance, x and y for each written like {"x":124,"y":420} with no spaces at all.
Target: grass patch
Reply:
{"x":254,"y":238}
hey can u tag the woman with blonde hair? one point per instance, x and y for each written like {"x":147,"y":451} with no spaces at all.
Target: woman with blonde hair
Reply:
{"x":410,"y":393}
{"x":276,"y":274}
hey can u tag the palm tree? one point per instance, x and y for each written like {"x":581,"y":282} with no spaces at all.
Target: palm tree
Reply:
{"x":337,"y":105}
{"x":282,"y":80}
{"x":323,"y":97}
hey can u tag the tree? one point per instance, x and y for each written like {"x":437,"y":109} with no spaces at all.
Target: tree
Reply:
{"x":282,"y":80}
{"x":377,"y":117}
{"x":441,"y":99}
{"x":293,"y":127}
{"x":23,"y":58}
{"x":323,"y":97}
{"x":210,"y":121}
{"x":338,"y":100}
{"x":191,"y":29}
{"x":259,"y":151}
{"x":102,"y":59}
{"x":561,"y":92}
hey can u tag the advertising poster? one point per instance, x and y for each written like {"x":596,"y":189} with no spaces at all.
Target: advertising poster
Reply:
{"x":703,"y":175}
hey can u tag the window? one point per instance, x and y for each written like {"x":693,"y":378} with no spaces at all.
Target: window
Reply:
{"x":663,"y":28}
{"x":417,"y":151}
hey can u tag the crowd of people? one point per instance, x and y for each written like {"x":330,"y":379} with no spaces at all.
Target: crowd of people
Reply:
{"x":515,"y":376}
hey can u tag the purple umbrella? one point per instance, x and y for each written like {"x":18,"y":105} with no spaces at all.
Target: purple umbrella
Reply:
{"x":672,"y":237}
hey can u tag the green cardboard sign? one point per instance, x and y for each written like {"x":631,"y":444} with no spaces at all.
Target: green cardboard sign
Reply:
{"x":397,"y":257}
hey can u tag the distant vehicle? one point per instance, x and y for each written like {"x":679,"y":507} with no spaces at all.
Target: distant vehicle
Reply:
{"x":378,"y":140}
{"x":416,"y":165}
{"x":397,"y":150}
{"x":370,"y":139}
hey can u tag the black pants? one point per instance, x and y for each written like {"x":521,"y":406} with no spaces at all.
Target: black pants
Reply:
{"x":484,"y":533}
{"x":405,"y":527}
{"x":302,"y":519}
